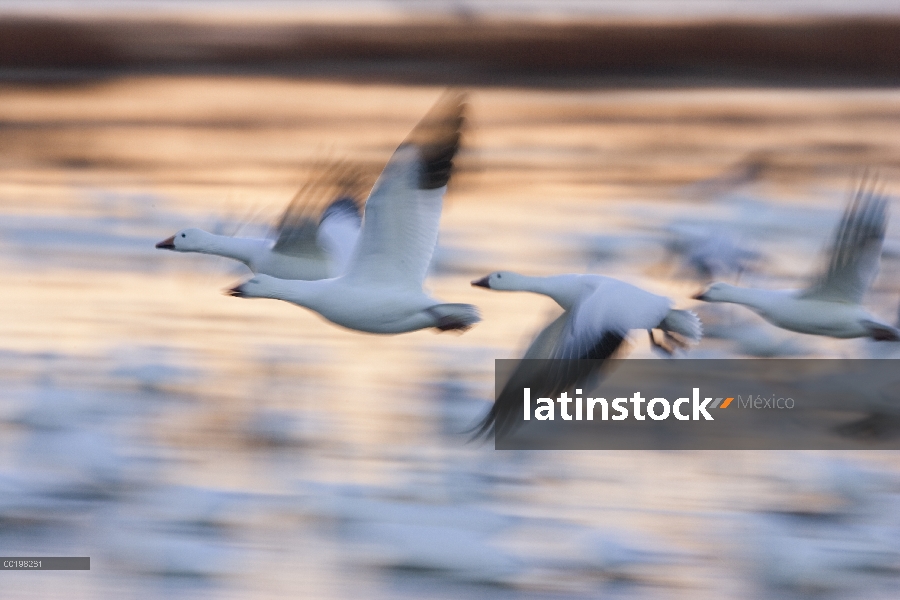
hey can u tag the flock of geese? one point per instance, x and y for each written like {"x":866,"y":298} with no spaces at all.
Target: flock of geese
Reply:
{"x":366,"y":272}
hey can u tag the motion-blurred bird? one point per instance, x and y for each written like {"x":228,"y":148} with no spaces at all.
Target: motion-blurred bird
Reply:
{"x":708,"y":253}
{"x":381,"y":289}
{"x":831,"y":306}
{"x":314,"y":241}
{"x":599,"y":313}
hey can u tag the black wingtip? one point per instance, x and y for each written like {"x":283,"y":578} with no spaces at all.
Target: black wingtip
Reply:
{"x":344,"y":207}
{"x":547,"y":378}
{"x":438,"y":137}
{"x":606,"y":347}
{"x":482,"y":430}
{"x":331,"y":186}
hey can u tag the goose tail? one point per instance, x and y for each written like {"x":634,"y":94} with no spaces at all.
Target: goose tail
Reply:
{"x":684,"y":323}
{"x":454,"y":316}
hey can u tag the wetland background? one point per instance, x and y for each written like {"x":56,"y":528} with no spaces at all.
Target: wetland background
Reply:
{"x":198,"y":445}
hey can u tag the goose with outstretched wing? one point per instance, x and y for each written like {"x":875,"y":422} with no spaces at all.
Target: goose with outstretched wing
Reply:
{"x":599,"y":313}
{"x":381,"y":289}
{"x":832,"y":304}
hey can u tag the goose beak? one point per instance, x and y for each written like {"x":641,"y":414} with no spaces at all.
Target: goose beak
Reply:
{"x":483,"y":282}
{"x":236,"y":291}
{"x":699,"y":296}
{"x":167,"y":244}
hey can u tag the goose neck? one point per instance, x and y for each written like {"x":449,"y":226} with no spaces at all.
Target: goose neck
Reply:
{"x":241,"y":249}
{"x":749,"y":297}
{"x":558,"y":287}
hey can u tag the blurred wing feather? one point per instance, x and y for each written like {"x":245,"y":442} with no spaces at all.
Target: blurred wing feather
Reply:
{"x":856,"y":249}
{"x":403,"y":212}
{"x":567,"y":361}
{"x":298,"y":228}
{"x":338,"y":232}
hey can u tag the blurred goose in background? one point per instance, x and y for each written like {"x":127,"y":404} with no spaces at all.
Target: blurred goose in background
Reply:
{"x":314,"y":241}
{"x":819,"y":555}
{"x":831,"y":306}
{"x":835,"y":530}
{"x":733,"y":180}
{"x":381,"y":289}
{"x":599,"y":313}
{"x":709,"y":253}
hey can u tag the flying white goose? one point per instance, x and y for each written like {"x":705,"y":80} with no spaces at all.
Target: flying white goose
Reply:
{"x":599,"y":313}
{"x":381,"y":289}
{"x":831,"y":305}
{"x":308,"y":246}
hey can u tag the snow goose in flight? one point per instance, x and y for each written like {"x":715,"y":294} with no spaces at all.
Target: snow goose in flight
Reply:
{"x":831,"y":306}
{"x":381,"y":289}
{"x":599,"y":313}
{"x":308,"y":246}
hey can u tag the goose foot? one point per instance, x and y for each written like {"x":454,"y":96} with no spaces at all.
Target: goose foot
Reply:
{"x":657,"y":346}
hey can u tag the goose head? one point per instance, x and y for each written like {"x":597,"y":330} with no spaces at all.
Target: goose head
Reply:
{"x":499,"y":280}
{"x":186,"y":240}
{"x":717,"y":292}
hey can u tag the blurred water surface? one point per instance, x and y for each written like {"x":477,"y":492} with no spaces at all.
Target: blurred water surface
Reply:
{"x":198,"y":445}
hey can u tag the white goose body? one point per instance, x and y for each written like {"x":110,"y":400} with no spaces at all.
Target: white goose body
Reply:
{"x":610,"y":304}
{"x":380,"y":291}
{"x":596,"y":307}
{"x":369,"y":309}
{"x":789,"y":310}
{"x":831,"y":306}
{"x":282,"y":266}
{"x":596,"y":304}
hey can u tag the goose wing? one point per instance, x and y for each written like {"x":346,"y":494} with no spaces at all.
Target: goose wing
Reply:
{"x":402,"y":214}
{"x":855,"y":251}
{"x":334,"y":194}
{"x":559,"y":358}
{"x":338,"y":232}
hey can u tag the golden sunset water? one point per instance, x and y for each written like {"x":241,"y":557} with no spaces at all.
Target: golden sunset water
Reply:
{"x":199,"y":445}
